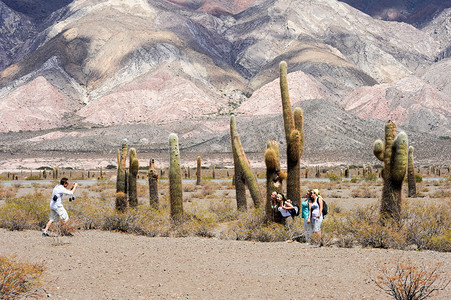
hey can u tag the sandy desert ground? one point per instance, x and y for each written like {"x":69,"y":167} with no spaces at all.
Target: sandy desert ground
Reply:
{"x":111,"y":265}
{"x":108,"y":265}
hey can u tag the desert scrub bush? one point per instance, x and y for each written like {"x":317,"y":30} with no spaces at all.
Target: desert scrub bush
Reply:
{"x":363,"y":192}
{"x":140,"y":220}
{"x":224,"y":209}
{"x":251,"y":226}
{"x":364,"y":225}
{"x":7,"y":193}
{"x":429,"y":226}
{"x":333,"y":177}
{"x":405,"y":280}
{"x":90,"y":213}
{"x":28,"y":212}
{"x":370,"y":177}
{"x":19,"y":279}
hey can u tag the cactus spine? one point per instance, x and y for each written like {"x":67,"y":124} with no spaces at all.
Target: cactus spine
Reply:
{"x":152,"y":174}
{"x":243,"y":172}
{"x":175,"y":180}
{"x":198,"y":170}
{"x":294,"y":135}
{"x":411,"y":174}
{"x":121,"y":181}
{"x":132,"y":175}
{"x":394,"y":155}
{"x":274,"y":176}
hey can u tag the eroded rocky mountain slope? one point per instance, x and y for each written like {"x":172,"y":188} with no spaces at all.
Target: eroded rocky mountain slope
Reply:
{"x":95,"y":72}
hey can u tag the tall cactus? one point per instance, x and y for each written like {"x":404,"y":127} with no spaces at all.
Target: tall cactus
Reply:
{"x":394,"y":155}
{"x":411,"y":174}
{"x":198,"y":170}
{"x":132,"y":176}
{"x":152,"y":175}
{"x":294,"y":135}
{"x":121,"y":181}
{"x":243,"y":172}
{"x":175,"y":180}
{"x":274,"y":176}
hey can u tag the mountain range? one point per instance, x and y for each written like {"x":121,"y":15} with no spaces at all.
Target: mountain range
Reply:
{"x":79,"y":76}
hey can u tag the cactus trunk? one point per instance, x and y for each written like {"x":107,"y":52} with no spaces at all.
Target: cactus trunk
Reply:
{"x":198,"y":170}
{"x":243,"y":172}
{"x":152,"y":174}
{"x":175,"y":180}
{"x":411,"y":174}
{"x":273,"y":178}
{"x":132,"y":176}
{"x":294,"y":135}
{"x":121,"y":181}
{"x":394,"y":155}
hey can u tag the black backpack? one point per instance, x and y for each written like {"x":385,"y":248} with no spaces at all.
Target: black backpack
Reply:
{"x":295,"y":211}
{"x":325,"y":208}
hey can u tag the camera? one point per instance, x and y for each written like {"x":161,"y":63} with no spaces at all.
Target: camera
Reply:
{"x":72,"y":198}
{"x":55,"y":197}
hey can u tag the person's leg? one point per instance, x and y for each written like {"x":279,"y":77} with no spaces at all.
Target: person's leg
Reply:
{"x":49,"y":223}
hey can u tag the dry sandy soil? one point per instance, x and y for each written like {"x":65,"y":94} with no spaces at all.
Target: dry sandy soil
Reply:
{"x":107,"y":265}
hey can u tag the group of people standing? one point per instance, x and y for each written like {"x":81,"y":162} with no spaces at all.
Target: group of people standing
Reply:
{"x":311,"y":212}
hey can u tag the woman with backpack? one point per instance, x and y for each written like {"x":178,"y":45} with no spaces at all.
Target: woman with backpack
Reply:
{"x":315,"y":217}
{"x":284,"y":207}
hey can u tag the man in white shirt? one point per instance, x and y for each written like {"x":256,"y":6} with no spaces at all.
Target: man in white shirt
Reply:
{"x":57,"y":210}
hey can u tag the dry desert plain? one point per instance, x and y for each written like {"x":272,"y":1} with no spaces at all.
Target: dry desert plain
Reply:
{"x":95,"y":264}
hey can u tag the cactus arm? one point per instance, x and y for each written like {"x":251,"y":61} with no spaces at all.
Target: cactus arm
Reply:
{"x":399,"y":164}
{"x":286,"y":105}
{"x":299,"y":125}
{"x":378,"y":149}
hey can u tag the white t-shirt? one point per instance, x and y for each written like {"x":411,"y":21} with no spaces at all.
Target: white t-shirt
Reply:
{"x":59,"y":191}
{"x":285,"y":213}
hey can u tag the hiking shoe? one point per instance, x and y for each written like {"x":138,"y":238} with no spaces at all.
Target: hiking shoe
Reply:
{"x":69,"y":234}
{"x":45,"y":233}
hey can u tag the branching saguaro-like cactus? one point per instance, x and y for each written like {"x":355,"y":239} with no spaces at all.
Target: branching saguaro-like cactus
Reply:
{"x":274,"y":176}
{"x":152,"y":174}
{"x":294,"y":134}
{"x":411,"y":183}
{"x":198,"y":170}
{"x":132,"y":176}
{"x":394,"y":155}
{"x":175,"y":180}
{"x":243,"y":172}
{"x":121,"y":181}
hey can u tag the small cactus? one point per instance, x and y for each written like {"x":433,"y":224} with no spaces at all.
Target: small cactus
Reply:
{"x":152,"y":174}
{"x":121,"y":201}
{"x":132,"y":176}
{"x":411,"y":183}
{"x":198,"y":170}
{"x":394,"y":155}
{"x":121,"y":181}
{"x":175,"y":180}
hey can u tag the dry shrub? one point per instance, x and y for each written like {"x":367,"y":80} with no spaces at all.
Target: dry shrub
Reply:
{"x":421,"y":227}
{"x":28,"y":212}
{"x":7,"y":193}
{"x":428,"y":226}
{"x":404,"y":280}
{"x":189,"y":188}
{"x":224,"y":210}
{"x":19,"y":279}
{"x":363,"y":192}
{"x":252,"y":226}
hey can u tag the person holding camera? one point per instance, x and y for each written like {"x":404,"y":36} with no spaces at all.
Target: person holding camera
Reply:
{"x":57,"y":210}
